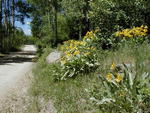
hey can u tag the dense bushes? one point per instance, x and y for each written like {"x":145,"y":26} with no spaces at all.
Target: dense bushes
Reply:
{"x":111,"y":15}
{"x":75,"y":18}
{"x":13,"y":41}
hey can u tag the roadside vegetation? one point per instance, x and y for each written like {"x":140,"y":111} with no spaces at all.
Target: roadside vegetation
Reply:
{"x":105,"y":60}
{"x":97,"y":80}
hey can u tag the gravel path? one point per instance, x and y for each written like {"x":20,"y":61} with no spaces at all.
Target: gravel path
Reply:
{"x":15,"y":71}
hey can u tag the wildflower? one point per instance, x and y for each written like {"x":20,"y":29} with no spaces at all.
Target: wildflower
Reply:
{"x":77,"y":52}
{"x":63,"y":62}
{"x":109,"y":76}
{"x":89,"y":35}
{"x":134,"y":32}
{"x":87,"y":53}
{"x":93,"y":48}
{"x":146,"y":27}
{"x":69,"y":55}
{"x":119,"y":78}
{"x":117,"y":34}
{"x":113,"y":66}
{"x":97,"y":30}
{"x":83,"y":43}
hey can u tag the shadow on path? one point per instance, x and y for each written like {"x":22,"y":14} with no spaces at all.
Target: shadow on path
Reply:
{"x":18,"y":57}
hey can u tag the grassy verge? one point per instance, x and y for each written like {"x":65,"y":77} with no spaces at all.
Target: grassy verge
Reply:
{"x":71,"y":96}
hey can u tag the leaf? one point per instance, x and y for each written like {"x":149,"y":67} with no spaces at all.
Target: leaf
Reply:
{"x":64,"y":76}
{"x":105,"y":100}
{"x":130,"y":80}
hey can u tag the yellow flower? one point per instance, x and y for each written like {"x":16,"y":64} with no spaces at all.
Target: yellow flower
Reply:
{"x":146,"y":27}
{"x":145,"y":30}
{"x":93,"y":48}
{"x":87,"y":53}
{"x":117,"y":34}
{"x":83,"y":43}
{"x":109,"y":76}
{"x":69,"y":55}
{"x":77,"y":52}
{"x":119,"y":78}
{"x":96,"y":30}
{"x":113,"y":66}
{"x":63,"y":62}
{"x":89,"y":35}
{"x":134,"y":32}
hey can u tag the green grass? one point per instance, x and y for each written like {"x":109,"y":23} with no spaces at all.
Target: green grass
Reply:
{"x":71,"y":96}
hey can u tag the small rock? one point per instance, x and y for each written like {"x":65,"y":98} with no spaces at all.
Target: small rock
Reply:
{"x":53,"y":57}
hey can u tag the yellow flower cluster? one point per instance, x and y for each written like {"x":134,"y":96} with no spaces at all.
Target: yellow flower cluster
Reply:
{"x":110,"y":77}
{"x":76,"y":49}
{"x":114,"y":77}
{"x":134,"y":32}
{"x":90,"y":35}
{"x":113,"y":66}
{"x":72,"y":45}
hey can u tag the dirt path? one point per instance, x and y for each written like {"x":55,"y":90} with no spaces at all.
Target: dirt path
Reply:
{"x":15,"y":70}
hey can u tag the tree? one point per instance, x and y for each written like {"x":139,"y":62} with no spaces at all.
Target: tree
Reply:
{"x":1,"y":17}
{"x":7,"y":21}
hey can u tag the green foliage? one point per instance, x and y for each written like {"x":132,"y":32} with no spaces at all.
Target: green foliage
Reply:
{"x":79,"y":56}
{"x":111,"y":15}
{"x":11,"y":38}
{"x":13,"y":41}
{"x":73,"y":95}
{"x":134,"y":36}
{"x":125,"y":92}
{"x":74,"y":18}
{"x":124,"y":87}
{"x":30,"y":40}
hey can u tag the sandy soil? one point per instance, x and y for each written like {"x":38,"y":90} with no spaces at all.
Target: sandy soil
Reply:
{"x":15,"y":76}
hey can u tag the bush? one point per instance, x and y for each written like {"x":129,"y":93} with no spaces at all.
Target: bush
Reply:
{"x":79,"y":56}
{"x":134,"y":36}
{"x":112,"y":15}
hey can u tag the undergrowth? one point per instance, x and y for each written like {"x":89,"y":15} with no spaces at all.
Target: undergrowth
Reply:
{"x":71,"y":96}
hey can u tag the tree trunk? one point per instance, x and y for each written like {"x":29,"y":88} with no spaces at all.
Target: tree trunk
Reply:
{"x":13,"y":21}
{"x":56,"y":30}
{"x":5,"y":16}
{"x":55,"y":10}
{"x":13,"y":14}
{"x":85,"y":12}
{"x":1,"y":33}
{"x":1,"y":12}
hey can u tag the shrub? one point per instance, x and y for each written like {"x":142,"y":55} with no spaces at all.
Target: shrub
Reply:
{"x":79,"y":56}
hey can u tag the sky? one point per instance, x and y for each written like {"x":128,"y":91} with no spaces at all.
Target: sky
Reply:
{"x":25,"y":27}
